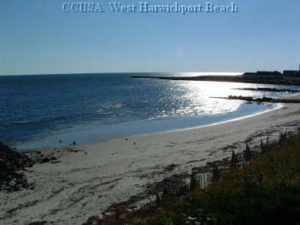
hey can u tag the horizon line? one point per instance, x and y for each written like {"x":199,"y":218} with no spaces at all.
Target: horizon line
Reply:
{"x":89,"y":73}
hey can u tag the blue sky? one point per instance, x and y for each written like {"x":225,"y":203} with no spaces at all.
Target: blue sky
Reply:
{"x":38,"y":37}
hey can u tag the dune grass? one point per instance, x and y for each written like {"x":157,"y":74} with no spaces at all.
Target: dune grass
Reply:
{"x":265,"y":191}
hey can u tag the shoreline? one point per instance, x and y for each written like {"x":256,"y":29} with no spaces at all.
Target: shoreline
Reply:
{"x":128,"y":129}
{"x":235,"y":79}
{"x":222,"y":122}
{"x":86,"y":180}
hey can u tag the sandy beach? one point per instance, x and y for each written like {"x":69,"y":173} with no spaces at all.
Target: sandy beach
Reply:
{"x":85,"y":180}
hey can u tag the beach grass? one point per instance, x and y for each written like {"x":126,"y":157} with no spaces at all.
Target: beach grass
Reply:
{"x":264,"y":191}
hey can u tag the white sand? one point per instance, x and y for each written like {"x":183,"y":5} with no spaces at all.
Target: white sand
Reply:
{"x":85,"y":183}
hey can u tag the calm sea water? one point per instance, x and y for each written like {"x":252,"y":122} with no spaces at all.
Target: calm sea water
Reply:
{"x":38,"y":111}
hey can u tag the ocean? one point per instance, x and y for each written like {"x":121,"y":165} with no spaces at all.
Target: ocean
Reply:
{"x":46,"y":111}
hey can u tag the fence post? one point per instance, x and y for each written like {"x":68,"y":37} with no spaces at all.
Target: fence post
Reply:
{"x":262,"y":147}
{"x":215,"y":174}
{"x":233,"y":159}
{"x":247,"y":153}
{"x":193,"y":184}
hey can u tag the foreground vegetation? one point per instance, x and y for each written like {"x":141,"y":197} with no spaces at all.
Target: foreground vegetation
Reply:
{"x":264,"y":191}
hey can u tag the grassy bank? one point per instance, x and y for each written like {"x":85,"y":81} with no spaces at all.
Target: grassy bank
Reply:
{"x":264,"y":191}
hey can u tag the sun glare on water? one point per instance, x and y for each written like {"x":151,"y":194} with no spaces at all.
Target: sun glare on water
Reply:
{"x":199,"y":98}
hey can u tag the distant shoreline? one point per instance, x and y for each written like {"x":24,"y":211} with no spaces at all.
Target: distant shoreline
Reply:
{"x":238,"y":79}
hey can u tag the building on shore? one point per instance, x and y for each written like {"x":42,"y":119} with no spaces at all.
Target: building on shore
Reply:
{"x":272,"y":74}
{"x":292,"y":73}
{"x":264,"y":75}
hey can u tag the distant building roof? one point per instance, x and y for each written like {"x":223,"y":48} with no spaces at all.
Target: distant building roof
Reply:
{"x":269,"y":73}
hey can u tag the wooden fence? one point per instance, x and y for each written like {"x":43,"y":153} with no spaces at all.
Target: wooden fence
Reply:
{"x":123,"y":215}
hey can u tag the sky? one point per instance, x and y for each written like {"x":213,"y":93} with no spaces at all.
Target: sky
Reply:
{"x":40,"y":37}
